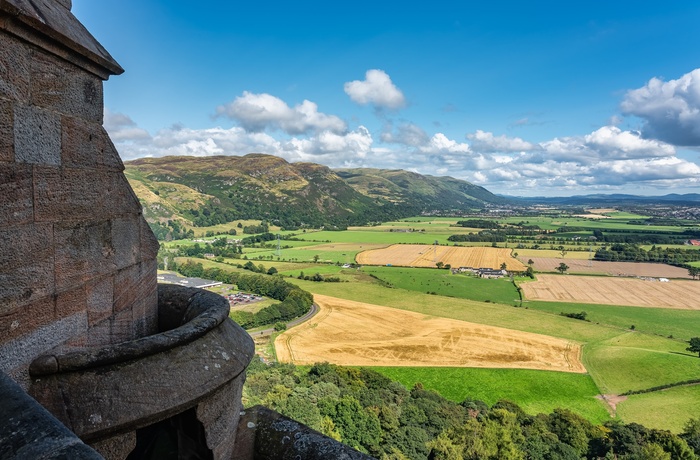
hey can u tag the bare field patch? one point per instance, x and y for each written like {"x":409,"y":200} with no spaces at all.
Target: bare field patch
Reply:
{"x":417,"y":255}
{"x":359,"y":334}
{"x":614,"y":291}
{"x":549,"y":264}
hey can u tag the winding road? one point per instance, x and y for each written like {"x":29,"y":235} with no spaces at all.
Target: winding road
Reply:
{"x":265,"y":332}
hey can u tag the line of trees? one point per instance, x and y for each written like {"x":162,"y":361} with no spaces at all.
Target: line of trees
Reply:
{"x":376,"y":415}
{"x":634,"y":253}
{"x":295,"y":302}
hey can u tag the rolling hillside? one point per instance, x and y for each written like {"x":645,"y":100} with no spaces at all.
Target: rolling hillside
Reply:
{"x":204,"y":191}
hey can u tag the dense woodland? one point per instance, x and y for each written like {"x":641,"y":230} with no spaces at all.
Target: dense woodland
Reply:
{"x":376,"y":415}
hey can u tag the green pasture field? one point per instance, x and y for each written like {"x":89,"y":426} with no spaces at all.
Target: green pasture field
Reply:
{"x":666,"y":410}
{"x":681,"y":324}
{"x":534,"y":391}
{"x":369,"y":236}
{"x":633,"y":361}
{"x":444,"y":283}
{"x":307,"y":255}
{"x":614,"y":223}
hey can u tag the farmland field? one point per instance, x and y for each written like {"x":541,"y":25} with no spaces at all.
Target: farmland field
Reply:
{"x":614,"y":291}
{"x":549,"y":264}
{"x":359,"y":334}
{"x":412,"y":255}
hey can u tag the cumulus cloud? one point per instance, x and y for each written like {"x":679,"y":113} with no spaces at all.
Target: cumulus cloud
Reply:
{"x":670,"y":110}
{"x":122,"y":128}
{"x":406,"y":134}
{"x":608,"y":142}
{"x":376,"y":89}
{"x":258,"y":112}
{"x":486,"y":142}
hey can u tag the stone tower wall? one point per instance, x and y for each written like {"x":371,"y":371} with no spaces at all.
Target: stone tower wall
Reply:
{"x":77,"y":259}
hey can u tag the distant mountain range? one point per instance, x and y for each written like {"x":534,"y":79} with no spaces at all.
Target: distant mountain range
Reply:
{"x":616,"y":198}
{"x":212,"y":190}
{"x":207,"y":191}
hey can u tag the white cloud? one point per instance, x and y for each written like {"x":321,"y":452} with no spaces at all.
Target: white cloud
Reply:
{"x":258,"y":112}
{"x":608,"y":142}
{"x":671,"y":110}
{"x":377,"y":89}
{"x":406,"y":134}
{"x":440,"y":143}
{"x":122,"y":128}
{"x":487,"y":142}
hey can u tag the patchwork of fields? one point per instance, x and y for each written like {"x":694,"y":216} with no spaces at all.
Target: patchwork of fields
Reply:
{"x":469,"y":337}
{"x":413,"y":255}
{"x":360,"y":334}
{"x":614,"y":291}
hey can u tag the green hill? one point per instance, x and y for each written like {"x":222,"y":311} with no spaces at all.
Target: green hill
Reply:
{"x":206,"y":191}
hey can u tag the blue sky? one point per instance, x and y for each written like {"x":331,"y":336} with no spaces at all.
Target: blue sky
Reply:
{"x":556,"y":98}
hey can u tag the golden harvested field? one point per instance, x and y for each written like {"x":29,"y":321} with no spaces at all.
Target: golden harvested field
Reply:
{"x":359,"y":334}
{"x":420,"y":255}
{"x":614,"y":291}
{"x":549,"y":264}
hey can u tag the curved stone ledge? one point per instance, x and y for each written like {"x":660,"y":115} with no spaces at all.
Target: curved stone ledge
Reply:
{"x":184,"y":314}
{"x":120,"y":388}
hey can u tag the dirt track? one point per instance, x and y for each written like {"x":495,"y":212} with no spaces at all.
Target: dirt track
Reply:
{"x":359,"y":334}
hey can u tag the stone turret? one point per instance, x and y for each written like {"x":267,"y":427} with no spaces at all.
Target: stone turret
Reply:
{"x":90,"y":346}
{"x":78,"y":265}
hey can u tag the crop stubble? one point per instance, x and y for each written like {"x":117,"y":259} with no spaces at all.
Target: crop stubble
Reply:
{"x":614,"y":291}
{"x":417,"y":255}
{"x":358,"y":334}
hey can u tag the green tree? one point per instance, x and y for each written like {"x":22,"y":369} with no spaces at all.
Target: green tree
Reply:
{"x":439,"y":264}
{"x":694,"y":347}
{"x":562,"y":268}
{"x":504,"y":266}
{"x":694,"y":272}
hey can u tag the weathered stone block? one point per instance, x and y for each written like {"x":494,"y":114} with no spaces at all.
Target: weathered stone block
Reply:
{"x":26,"y":265}
{"x":65,"y":88}
{"x":120,"y":197}
{"x":112,"y":160}
{"x":116,"y":448}
{"x":122,"y":327}
{"x":72,"y":194}
{"x":83,"y":252}
{"x":134,"y":283}
{"x":126,"y":240}
{"x":219,"y":414}
{"x":14,"y":69}
{"x":37,"y":137}
{"x":7,"y":127}
{"x":16,"y":188}
{"x":85,"y":144}
{"x":80,"y":143}
{"x":99,"y":334}
{"x":26,"y":318}
{"x":71,"y":302}
{"x":100,"y":299}
{"x":149,"y":242}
